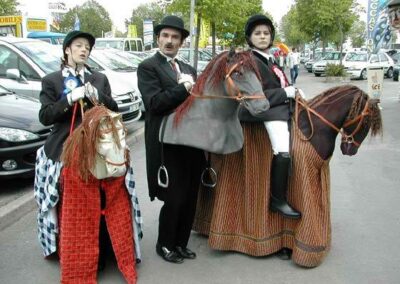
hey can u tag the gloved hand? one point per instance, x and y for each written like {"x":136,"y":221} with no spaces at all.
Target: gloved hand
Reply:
{"x":290,"y":92}
{"x":75,"y":95}
{"x":91,"y":91}
{"x":301,"y":94}
{"x":187,"y":80}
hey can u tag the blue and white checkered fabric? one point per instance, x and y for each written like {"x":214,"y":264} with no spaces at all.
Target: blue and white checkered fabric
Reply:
{"x":46,"y":190}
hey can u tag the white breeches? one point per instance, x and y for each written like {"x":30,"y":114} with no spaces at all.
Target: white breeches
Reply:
{"x":278,"y":133}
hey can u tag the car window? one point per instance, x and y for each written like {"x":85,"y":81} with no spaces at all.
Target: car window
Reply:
{"x":112,"y":61}
{"x":93,"y":65}
{"x":46,"y":39}
{"x":46,"y":56}
{"x":356,"y":57}
{"x":133,"y":45}
{"x":126,"y":46}
{"x":118,"y":44}
{"x":382,"y":57}
{"x":11,"y":60}
{"x":374,"y":58}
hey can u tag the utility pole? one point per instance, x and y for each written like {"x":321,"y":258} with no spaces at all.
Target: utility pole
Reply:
{"x":192,"y":33}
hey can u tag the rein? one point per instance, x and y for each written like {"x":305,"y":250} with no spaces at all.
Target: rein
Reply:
{"x":233,"y":91}
{"x":349,"y":138}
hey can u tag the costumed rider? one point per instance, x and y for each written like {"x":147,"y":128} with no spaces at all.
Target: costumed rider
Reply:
{"x":71,"y":210}
{"x":260,"y":33}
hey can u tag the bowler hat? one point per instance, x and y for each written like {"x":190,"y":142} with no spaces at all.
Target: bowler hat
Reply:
{"x":172,"y":22}
{"x":258,"y":20}
{"x":75,"y":34}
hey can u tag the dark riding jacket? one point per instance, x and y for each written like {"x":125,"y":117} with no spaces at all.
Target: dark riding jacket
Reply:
{"x":276,"y":95}
{"x":56,"y":110}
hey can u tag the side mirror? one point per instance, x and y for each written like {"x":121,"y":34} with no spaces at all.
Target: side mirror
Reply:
{"x":14,"y":74}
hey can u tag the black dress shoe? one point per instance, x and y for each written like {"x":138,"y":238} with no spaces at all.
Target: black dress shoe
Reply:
{"x":284,"y":254}
{"x":185,"y":252}
{"x":168,"y":255}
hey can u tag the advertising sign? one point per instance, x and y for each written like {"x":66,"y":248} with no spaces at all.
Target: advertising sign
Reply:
{"x":375,"y":82}
{"x":36,"y":25}
{"x":148,"y":32}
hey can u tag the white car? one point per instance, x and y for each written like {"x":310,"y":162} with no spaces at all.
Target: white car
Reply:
{"x":357,"y":63}
{"x":118,"y":63}
{"x":331,"y":57}
{"x":24,"y":62}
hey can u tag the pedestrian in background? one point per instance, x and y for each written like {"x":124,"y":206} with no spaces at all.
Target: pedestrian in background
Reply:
{"x":70,"y":208}
{"x":293,"y":63}
{"x":165,"y":84}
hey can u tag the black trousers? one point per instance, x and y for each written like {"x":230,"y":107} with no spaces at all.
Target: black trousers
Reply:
{"x":184,"y":165}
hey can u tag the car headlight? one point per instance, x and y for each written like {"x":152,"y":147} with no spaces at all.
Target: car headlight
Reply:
{"x":16,"y":135}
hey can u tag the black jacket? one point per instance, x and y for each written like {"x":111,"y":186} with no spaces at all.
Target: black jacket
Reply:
{"x":56,"y":110}
{"x":161,"y":95}
{"x":276,"y":95}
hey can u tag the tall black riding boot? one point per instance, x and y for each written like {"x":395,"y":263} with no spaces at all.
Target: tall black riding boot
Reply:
{"x":279,"y":186}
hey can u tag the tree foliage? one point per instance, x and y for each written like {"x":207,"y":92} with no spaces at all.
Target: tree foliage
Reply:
{"x":92,"y":16}
{"x":146,"y":11}
{"x":8,"y":7}
{"x":228,"y":16}
{"x":358,"y":33}
{"x":324,"y":18}
{"x":292,"y":33}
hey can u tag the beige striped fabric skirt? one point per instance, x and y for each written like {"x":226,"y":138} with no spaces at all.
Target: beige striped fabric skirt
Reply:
{"x":235,"y":214}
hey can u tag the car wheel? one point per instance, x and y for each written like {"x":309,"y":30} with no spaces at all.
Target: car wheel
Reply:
{"x":363,"y":74}
{"x":396,"y":77}
{"x":317,"y":75}
{"x":309,"y":71}
{"x":389,"y":73}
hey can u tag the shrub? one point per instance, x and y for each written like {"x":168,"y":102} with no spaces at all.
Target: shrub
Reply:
{"x":335,"y":70}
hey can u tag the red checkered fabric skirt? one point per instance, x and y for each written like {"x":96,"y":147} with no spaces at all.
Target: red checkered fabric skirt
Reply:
{"x":79,"y":214}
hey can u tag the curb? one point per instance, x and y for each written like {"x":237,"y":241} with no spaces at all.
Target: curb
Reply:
{"x":18,"y":208}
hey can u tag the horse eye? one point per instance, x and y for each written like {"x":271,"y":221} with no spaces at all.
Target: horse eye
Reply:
{"x":237,"y":74}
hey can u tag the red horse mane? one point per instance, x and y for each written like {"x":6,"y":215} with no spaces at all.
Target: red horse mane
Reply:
{"x":214,"y":74}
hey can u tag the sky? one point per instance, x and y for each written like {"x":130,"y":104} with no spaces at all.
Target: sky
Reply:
{"x":120,"y":10}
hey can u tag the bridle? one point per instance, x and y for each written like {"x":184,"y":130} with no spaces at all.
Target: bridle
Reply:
{"x":233,"y":91}
{"x":346,"y":138}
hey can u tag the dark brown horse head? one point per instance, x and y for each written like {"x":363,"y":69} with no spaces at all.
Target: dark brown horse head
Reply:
{"x":364,"y":116}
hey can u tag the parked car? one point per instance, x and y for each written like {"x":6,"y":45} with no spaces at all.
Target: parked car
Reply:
{"x":21,"y":134}
{"x":308,"y":64}
{"x":24,"y":62}
{"x":50,"y":37}
{"x":357,"y":63}
{"x":396,"y":66}
{"x":203,"y":58}
{"x":119,"y":64}
{"x":121,"y":43}
{"x":332,"y":57}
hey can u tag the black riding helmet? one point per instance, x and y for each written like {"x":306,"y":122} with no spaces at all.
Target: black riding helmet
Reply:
{"x":255,"y":20}
{"x":69,"y":38}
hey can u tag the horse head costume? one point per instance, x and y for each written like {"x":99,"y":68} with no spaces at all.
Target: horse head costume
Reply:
{"x":208,"y":119}
{"x":344,"y":109}
{"x":99,"y":145}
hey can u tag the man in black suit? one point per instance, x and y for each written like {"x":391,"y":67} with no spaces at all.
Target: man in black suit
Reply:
{"x":165,"y":83}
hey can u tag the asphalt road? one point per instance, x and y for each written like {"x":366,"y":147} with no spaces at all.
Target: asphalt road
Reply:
{"x":365,"y":211}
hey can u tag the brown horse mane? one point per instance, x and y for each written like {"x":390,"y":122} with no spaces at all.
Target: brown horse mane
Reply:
{"x":214,"y":74}
{"x":80,"y":148}
{"x":336,"y":94}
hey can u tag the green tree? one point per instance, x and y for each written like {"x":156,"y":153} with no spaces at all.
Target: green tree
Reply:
{"x":358,"y":33}
{"x":326,"y":19}
{"x":292,"y":33}
{"x":92,"y":16}
{"x":145,"y":11}
{"x":8,"y":7}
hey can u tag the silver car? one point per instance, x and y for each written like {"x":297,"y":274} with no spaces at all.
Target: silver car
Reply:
{"x":24,"y":62}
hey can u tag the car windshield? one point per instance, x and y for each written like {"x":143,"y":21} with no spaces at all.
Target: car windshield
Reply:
{"x":45,"y":55}
{"x":357,"y":57}
{"x":332,"y":56}
{"x":118,"y":44}
{"x":113,"y":61}
{"x":4,"y":91}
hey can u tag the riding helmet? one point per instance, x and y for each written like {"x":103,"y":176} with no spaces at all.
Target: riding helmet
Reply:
{"x":255,"y":20}
{"x":69,"y":38}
